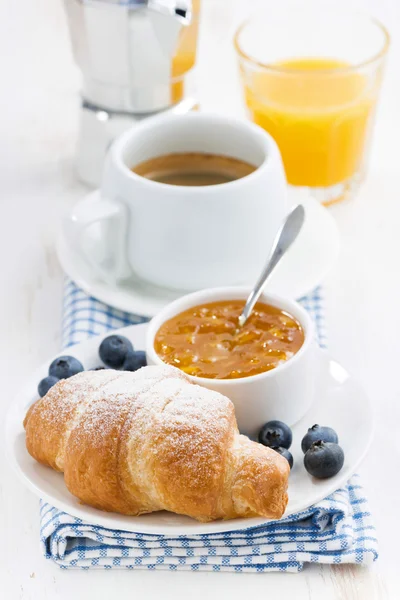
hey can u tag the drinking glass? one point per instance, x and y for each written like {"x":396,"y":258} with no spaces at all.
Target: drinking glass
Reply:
{"x":312,"y":79}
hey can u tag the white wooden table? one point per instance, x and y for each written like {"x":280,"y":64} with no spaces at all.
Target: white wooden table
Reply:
{"x":38,"y":120}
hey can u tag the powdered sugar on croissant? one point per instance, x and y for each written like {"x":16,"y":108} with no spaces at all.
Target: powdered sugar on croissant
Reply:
{"x":151,"y":440}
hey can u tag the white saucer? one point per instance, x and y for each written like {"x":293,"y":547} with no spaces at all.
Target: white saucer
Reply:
{"x":340,"y":402}
{"x":301,"y":270}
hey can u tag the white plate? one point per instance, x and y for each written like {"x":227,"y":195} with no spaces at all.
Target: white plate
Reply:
{"x":340,"y":402}
{"x":301,"y":270}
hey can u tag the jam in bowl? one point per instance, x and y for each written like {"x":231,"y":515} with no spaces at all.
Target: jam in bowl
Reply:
{"x":267,"y":367}
{"x":206,"y":340}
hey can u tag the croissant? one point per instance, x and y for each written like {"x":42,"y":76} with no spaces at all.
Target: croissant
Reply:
{"x":135,"y":443}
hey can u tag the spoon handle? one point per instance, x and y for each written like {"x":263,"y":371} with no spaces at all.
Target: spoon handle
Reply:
{"x":282,"y":242}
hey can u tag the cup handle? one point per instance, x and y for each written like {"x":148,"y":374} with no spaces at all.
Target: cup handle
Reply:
{"x":105,"y":251}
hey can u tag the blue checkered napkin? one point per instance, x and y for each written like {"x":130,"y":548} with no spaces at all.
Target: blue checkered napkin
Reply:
{"x":337,"y":530}
{"x":85,"y":317}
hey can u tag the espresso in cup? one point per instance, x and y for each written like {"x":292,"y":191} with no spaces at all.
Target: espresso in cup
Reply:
{"x":193,"y":169}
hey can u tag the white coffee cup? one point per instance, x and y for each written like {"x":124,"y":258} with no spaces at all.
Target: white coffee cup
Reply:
{"x":180,"y":237}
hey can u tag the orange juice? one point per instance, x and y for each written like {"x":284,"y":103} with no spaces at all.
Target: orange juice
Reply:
{"x":185,"y":56}
{"x":318,"y":110}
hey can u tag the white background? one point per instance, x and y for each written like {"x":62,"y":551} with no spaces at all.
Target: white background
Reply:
{"x":38,"y":124}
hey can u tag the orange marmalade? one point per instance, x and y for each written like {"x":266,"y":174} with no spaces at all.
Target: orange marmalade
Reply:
{"x":206,"y":340}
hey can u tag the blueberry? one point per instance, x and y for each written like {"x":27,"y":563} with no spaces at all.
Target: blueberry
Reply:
{"x":285,"y":452}
{"x":275,"y":433}
{"x":46,"y":384}
{"x":64,"y":367}
{"x":324,"y":459}
{"x":114,"y":349}
{"x":317,"y":433}
{"x":134,"y":361}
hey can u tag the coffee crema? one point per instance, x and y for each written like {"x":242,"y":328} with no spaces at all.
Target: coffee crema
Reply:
{"x":206,"y":341}
{"x":193,"y":169}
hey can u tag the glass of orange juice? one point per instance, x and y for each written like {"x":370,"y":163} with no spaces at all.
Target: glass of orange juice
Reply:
{"x":312,"y":79}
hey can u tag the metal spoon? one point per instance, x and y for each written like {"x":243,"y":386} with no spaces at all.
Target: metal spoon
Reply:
{"x":284,"y":239}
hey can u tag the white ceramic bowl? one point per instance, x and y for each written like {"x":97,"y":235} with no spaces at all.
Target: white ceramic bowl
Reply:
{"x":285,"y":393}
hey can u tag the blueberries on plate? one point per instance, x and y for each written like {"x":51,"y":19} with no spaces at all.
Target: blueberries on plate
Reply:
{"x":134,"y":360}
{"x":64,"y":367}
{"x":46,"y":384}
{"x":318,"y":433}
{"x":114,"y":350}
{"x":285,"y":452}
{"x":324,"y":459}
{"x":275,"y":434}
